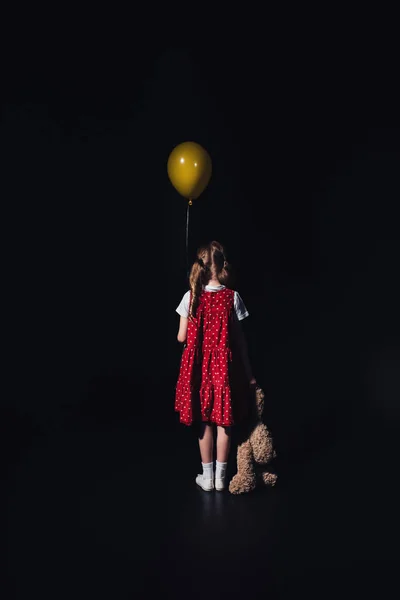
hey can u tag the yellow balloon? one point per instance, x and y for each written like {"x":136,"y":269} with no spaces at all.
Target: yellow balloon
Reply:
{"x":189,"y":169}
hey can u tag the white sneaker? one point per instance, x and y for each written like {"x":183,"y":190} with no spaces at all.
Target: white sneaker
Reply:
{"x":206,"y":484}
{"x":220,"y":484}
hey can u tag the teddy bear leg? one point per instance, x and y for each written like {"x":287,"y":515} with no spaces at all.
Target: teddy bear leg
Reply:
{"x":245,"y":478}
{"x":268,"y":478}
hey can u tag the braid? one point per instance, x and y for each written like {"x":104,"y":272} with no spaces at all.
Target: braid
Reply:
{"x":197,"y":280}
{"x":222,"y":269}
{"x":195,"y":286}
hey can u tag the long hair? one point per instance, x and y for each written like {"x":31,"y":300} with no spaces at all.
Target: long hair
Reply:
{"x":211,"y":261}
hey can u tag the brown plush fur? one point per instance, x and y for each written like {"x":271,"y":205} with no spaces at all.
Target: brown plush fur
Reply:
{"x":256,"y":450}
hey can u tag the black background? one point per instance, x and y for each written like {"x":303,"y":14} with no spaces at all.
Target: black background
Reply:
{"x":300,"y":117}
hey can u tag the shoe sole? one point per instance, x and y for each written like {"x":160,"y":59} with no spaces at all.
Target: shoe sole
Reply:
{"x":204,"y":489}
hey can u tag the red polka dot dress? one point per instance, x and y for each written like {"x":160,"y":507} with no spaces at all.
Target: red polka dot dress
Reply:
{"x":208,"y":388}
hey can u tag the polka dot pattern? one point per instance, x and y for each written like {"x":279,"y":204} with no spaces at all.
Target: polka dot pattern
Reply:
{"x":203,"y":390}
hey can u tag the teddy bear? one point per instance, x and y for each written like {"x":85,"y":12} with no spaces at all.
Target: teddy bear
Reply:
{"x":254,"y":452}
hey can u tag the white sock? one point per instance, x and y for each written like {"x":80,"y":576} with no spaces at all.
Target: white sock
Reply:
{"x":220,"y":470}
{"x":207,"y":470}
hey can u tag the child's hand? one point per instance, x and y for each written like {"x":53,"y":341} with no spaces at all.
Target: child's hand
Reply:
{"x":253,"y":382}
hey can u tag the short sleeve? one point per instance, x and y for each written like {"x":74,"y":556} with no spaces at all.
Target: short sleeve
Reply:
{"x":240,"y":309}
{"x":183,"y":308}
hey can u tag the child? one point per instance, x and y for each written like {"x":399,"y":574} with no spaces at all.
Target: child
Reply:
{"x":215,"y":377}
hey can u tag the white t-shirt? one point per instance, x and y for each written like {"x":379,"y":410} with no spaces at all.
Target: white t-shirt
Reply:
{"x":240,"y":309}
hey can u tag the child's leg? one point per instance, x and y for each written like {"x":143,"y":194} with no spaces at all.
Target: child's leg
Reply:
{"x":223,"y":446}
{"x":206,"y":444}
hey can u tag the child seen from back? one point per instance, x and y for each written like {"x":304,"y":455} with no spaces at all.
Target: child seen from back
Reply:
{"x":215,"y":378}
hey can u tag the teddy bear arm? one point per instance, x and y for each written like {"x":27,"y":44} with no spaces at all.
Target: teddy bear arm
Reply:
{"x":261,"y":444}
{"x":245,"y":478}
{"x":245,"y":459}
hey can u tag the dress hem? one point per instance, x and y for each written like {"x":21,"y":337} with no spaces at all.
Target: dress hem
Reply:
{"x":205,"y":420}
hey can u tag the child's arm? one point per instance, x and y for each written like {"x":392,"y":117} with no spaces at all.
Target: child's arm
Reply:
{"x":183,"y":326}
{"x":242,"y":345}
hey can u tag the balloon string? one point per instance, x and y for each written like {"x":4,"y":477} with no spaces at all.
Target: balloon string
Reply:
{"x":187,"y":239}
